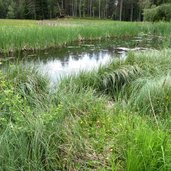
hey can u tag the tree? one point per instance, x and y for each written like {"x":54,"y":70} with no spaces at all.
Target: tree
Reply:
{"x":30,"y":9}
{"x":11,"y":12}
{"x":20,"y":9}
{"x":2,"y":10}
{"x":129,"y":10}
{"x":120,"y":9}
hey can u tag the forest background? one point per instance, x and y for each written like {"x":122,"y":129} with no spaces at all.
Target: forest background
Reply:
{"x":123,"y":10}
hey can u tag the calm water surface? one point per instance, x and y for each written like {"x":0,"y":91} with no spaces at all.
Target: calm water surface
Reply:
{"x":61,"y":62}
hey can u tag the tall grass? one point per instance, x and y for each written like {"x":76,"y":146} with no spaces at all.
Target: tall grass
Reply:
{"x":83,"y":134}
{"x":20,"y":35}
{"x":116,"y":118}
{"x":30,"y":84}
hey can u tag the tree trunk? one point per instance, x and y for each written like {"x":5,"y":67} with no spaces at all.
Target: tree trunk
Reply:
{"x":121,"y":8}
{"x":139,"y":15}
{"x":72,"y":8}
{"x":106,"y":14}
{"x":132,"y":12}
{"x":90,"y":8}
{"x":80,"y":9}
{"x":76,"y":7}
{"x":99,"y":9}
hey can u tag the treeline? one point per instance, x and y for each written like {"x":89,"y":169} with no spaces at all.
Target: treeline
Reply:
{"x":128,"y":10}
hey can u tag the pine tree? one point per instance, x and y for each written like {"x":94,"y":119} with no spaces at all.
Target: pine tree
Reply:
{"x":11,"y":10}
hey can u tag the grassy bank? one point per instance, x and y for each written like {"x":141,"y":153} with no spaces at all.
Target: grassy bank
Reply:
{"x":116,"y":118}
{"x":17,"y":35}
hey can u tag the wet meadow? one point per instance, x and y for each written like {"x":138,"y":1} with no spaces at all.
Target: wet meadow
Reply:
{"x":114,"y":117}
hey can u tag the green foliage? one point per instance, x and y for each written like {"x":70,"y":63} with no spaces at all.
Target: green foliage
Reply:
{"x":115,"y":81}
{"x":116,"y":118}
{"x":47,"y":9}
{"x":154,"y":96}
{"x":31,"y":35}
{"x":111,"y":79}
{"x":147,"y":149}
{"x":159,"y":13}
{"x":11,"y":103}
{"x":10,"y":13}
{"x":150,"y":94}
{"x":77,"y":127}
{"x":151,"y":14}
{"x":30,"y":85}
{"x":11,"y":10}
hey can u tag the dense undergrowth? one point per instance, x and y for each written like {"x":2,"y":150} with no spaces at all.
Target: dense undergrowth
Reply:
{"x":116,"y":118}
{"x":23,"y":35}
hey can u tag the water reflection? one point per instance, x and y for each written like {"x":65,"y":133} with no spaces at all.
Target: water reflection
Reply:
{"x":61,"y":62}
{"x":56,"y":68}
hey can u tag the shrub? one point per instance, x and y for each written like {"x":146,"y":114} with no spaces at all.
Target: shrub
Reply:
{"x":159,"y":13}
{"x":11,"y":103}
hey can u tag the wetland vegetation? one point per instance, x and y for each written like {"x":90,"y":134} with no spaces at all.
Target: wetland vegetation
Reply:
{"x":113,"y":117}
{"x":20,"y":35}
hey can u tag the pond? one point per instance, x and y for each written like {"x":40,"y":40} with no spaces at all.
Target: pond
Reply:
{"x":59,"y":62}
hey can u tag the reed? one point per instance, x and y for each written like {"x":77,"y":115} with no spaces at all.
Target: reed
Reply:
{"x":20,"y":35}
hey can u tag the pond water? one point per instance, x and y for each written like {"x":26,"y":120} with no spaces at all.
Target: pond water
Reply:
{"x":60,"y":62}
{"x":72,"y":64}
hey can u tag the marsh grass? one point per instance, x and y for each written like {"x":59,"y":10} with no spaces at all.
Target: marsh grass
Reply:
{"x":82,"y":133}
{"x":29,"y":84}
{"x":115,"y":118}
{"x":111,"y":80}
{"x":21,"y":35}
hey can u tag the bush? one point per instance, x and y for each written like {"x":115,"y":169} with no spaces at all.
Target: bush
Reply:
{"x":11,"y":103}
{"x":159,"y":13}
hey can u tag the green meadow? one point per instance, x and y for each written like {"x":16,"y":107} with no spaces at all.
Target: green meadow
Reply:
{"x":114,"y":118}
{"x":24,"y":35}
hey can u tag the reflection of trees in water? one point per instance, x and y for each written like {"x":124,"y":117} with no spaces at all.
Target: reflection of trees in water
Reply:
{"x":90,"y":55}
{"x":64,"y":58}
{"x":64,"y":54}
{"x":96,"y":56}
{"x":63,"y":63}
{"x":76,"y":56}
